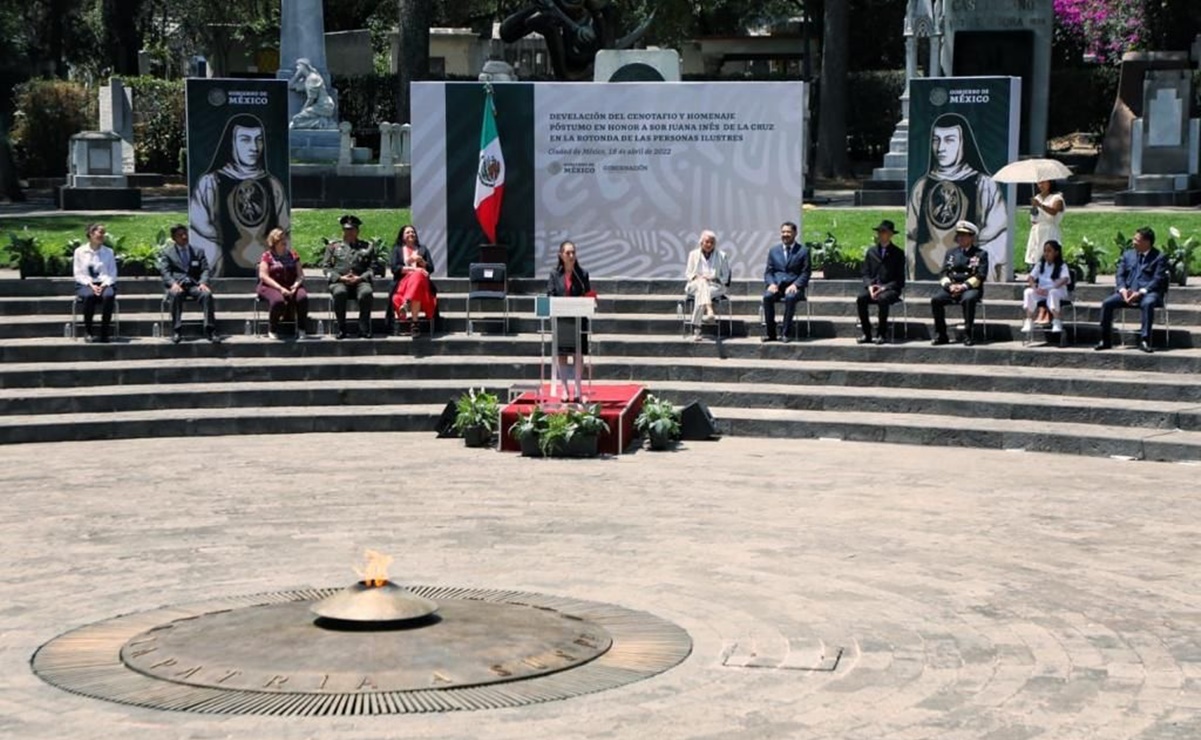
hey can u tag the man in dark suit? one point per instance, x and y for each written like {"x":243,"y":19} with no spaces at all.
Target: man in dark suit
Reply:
{"x":883,"y":281}
{"x":1142,"y":282}
{"x":185,"y":273}
{"x":786,"y":277}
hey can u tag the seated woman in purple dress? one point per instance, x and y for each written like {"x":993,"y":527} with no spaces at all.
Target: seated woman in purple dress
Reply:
{"x":281,"y":284}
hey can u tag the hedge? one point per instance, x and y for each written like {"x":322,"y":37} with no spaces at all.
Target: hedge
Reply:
{"x":49,"y":113}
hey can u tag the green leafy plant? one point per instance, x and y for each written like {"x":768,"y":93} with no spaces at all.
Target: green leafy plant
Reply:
{"x":833,"y":259}
{"x":659,"y":421}
{"x":557,"y":434}
{"x":1181,"y":255}
{"x":1090,"y":258}
{"x":24,"y":251}
{"x":527,"y":431}
{"x":477,"y":413}
{"x":588,"y":421}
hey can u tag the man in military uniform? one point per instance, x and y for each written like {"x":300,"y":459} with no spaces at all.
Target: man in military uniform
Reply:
{"x":964,"y":271}
{"x":349,"y":265}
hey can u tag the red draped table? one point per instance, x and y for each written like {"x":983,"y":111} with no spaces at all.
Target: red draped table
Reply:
{"x":619,"y":406}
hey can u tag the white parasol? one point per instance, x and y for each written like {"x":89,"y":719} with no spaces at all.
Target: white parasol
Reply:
{"x":1032,"y":170}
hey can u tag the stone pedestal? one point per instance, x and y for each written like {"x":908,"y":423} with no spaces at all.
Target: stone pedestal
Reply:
{"x":95,"y":180}
{"x":636,"y":65}
{"x":319,"y":146}
{"x":1165,"y":144}
{"x":1115,"y":147}
{"x":116,"y":115}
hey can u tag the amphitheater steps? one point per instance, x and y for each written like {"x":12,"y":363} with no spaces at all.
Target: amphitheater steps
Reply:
{"x":63,"y":427}
{"x":1168,"y":445}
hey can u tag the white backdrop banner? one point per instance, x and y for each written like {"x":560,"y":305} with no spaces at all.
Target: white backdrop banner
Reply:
{"x":631,"y":172}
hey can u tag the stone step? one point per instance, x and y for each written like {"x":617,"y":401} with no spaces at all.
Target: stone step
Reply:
{"x":605,"y":287}
{"x":1040,"y":361}
{"x":1055,"y":409}
{"x":888,"y":371}
{"x":209,"y":422}
{"x":618,"y":325}
{"x":957,"y":431}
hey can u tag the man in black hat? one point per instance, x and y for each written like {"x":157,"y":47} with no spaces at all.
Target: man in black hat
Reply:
{"x":349,"y":265}
{"x":883,"y":281}
{"x":964,"y":271}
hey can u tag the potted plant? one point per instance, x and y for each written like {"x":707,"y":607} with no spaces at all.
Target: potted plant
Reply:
{"x":834,"y":262}
{"x":527,"y":431}
{"x":476,"y":414}
{"x":556,"y":435}
{"x":1088,"y":257}
{"x":589,"y":426}
{"x":659,"y":422}
{"x":26,"y":252}
{"x":1180,"y":255}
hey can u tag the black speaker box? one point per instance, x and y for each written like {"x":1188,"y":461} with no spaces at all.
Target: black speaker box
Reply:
{"x":446,"y":422}
{"x":696,"y":422}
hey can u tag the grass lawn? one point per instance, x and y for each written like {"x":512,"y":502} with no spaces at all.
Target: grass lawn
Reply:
{"x":852,"y":226}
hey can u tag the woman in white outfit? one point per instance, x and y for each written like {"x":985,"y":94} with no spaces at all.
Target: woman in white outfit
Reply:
{"x":1050,"y":280}
{"x":1046,"y":211}
{"x":707,"y":273}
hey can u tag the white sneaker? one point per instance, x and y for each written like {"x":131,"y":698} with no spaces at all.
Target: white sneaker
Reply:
{"x":1027,"y":326}
{"x":272,"y":335}
{"x":1057,"y":326}
{"x":696,"y":337}
{"x":302,"y":334}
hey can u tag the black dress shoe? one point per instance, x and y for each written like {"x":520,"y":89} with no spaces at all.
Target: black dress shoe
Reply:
{"x":214,"y":337}
{"x":1145,"y":346}
{"x":879,"y":340}
{"x":968,"y":341}
{"x":1102,"y":345}
{"x":368,"y":335}
{"x":940,"y":341}
{"x":341,"y":334}
{"x":768,"y":339}
{"x":787,"y":340}
{"x":863,"y":340}
{"x":176,"y":337}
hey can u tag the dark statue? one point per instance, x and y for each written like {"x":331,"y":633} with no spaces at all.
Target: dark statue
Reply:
{"x":574,"y":31}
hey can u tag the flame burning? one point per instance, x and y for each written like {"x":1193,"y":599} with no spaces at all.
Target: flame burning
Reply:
{"x":375,"y":573}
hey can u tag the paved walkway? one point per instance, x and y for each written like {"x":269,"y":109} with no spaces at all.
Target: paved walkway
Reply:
{"x":972,"y":594}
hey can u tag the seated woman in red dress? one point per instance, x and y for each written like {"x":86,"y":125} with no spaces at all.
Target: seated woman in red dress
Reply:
{"x":412,"y":266}
{"x":281,"y":284}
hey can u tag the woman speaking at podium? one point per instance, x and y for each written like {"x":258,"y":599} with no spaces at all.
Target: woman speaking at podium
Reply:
{"x":569,"y":279}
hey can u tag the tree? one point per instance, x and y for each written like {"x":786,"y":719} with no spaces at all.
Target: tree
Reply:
{"x":832,"y":160}
{"x":414,"y":64}
{"x":121,"y":30}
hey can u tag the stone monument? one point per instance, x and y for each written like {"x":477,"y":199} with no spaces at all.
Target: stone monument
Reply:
{"x":313,"y":133}
{"x":95,"y":180}
{"x":116,"y":115}
{"x":1010,"y":39}
{"x":1164,"y":144}
{"x":923,"y":19}
{"x":1116,"y":146}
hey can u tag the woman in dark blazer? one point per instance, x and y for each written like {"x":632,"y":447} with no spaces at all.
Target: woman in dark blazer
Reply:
{"x":569,"y":279}
{"x":412,"y":290}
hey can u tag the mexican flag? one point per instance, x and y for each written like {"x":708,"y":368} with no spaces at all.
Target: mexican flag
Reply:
{"x":490,"y":176}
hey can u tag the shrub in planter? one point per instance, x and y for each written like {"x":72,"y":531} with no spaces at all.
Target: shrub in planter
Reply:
{"x":659,"y":422}
{"x":589,"y":426}
{"x":556,"y":435}
{"x":1180,"y":255}
{"x":476,"y":415}
{"x":527,"y":431}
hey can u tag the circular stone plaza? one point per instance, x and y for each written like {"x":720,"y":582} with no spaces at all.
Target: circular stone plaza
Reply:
{"x":829,"y":589}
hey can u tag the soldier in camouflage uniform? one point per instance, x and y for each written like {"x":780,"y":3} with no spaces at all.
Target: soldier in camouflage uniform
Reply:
{"x":350,"y":266}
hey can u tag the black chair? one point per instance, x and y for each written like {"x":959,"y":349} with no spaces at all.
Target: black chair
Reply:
{"x":488,"y":281}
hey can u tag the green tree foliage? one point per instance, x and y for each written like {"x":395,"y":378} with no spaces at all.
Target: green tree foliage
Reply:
{"x":50,"y":112}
